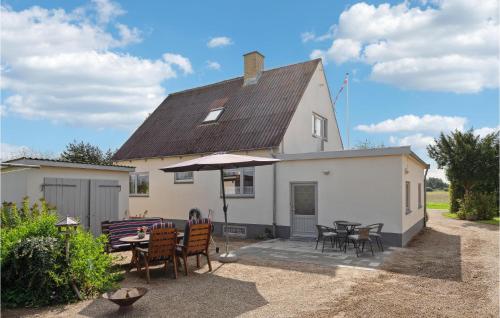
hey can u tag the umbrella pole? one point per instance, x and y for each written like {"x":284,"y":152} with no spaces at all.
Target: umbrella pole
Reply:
{"x":224,"y":207}
{"x":226,"y":257}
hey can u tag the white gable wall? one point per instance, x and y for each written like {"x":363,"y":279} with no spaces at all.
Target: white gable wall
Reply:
{"x":316,"y":99}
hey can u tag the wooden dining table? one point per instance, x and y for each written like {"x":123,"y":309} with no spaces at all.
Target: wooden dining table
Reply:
{"x":135,"y":241}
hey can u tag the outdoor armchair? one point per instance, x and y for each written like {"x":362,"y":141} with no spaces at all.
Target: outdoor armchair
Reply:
{"x":360,"y":238}
{"x":324,"y":233}
{"x":376,"y":233}
{"x":196,"y":241}
{"x":161,"y":248}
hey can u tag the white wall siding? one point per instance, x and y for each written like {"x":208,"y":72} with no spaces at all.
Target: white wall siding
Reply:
{"x":34,"y":178}
{"x":173,"y":201}
{"x":366,"y":190}
{"x":298,"y":137}
{"x":14,"y":183}
{"x":413,"y":172}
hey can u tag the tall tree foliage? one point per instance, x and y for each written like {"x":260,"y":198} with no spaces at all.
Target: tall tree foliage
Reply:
{"x":471,"y":162}
{"x":86,"y":153}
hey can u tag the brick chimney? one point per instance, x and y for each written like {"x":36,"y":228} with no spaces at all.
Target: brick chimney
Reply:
{"x":253,"y":67}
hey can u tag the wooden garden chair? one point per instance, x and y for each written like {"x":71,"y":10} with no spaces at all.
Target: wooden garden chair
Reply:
{"x":161,"y":248}
{"x":196,"y":242}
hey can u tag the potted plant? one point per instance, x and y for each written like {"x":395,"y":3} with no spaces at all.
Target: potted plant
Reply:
{"x":141,"y":231}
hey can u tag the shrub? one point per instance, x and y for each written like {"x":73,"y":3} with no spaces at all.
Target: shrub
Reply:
{"x":35,"y":271}
{"x":31,"y":273}
{"x":456,"y":194}
{"x":90,"y":267}
{"x":478,"y":206}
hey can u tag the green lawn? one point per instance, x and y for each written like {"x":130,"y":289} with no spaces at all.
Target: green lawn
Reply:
{"x":438,"y":200}
{"x":494,"y":221}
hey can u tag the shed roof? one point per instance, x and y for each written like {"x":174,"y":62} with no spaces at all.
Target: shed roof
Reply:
{"x":40,"y":162}
{"x":255,"y":116}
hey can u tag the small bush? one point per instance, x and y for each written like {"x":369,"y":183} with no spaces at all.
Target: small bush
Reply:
{"x":90,"y":267}
{"x":35,"y":270}
{"x":478,"y":206}
{"x":31,"y":274}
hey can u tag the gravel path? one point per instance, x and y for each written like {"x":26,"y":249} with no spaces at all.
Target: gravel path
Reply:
{"x":450,"y":270}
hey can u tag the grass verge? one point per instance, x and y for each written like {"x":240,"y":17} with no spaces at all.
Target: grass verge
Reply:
{"x":438,"y":205}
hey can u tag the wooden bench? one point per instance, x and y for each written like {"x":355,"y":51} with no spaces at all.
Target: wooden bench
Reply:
{"x":115,"y":230}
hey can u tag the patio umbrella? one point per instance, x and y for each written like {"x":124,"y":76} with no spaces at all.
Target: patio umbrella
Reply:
{"x":220,"y":161}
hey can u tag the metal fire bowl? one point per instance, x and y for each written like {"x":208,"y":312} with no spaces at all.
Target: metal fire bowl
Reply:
{"x":125,"y":297}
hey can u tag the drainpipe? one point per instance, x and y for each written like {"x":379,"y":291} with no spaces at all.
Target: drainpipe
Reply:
{"x":274,"y":198}
{"x":425,"y":197}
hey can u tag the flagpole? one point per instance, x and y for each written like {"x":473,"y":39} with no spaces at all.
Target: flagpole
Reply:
{"x":347,"y":111}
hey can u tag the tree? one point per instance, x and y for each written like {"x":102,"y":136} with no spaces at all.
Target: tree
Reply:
{"x":471,"y":162}
{"x":368,"y":144}
{"x":86,"y":153}
{"x":436,"y":184}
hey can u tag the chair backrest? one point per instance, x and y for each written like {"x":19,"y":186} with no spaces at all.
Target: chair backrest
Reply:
{"x":376,"y":228}
{"x":162,"y":241}
{"x":322,"y":229}
{"x":197,"y":235}
{"x":339,"y":225}
{"x":363,"y":232}
{"x":118,"y":229}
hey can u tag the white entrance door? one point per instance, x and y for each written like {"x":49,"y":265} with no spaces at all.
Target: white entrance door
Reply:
{"x":304,"y":206}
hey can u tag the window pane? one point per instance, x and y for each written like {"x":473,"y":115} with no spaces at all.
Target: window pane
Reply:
{"x":184,"y":176}
{"x":407,"y":194}
{"x":304,"y":200}
{"x":132,"y":184}
{"x":142,"y":184}
{"x":248,"y":180}
{"x":213,"y":115}
{"x":232,"y":181}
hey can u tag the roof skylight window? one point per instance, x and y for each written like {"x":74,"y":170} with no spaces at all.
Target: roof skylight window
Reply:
{"x":213,"y":115}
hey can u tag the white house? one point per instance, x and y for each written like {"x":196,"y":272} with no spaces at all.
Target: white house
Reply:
{"x":92,"y":193}
{"x":286,"y":113}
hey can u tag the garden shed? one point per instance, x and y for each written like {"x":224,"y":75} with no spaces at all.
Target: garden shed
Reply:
{"x":92,"y":193}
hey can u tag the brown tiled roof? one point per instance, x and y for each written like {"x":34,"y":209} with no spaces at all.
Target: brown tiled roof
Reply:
{"x":254,"y":117}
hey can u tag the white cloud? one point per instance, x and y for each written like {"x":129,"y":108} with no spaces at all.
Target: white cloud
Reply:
{"x":311,"y":36}
{"x":448,"y":45}
{"x":9,"y":151}
{"x":307,"y":36}
{"x":62,"y":66}
{"x":435,"y":123}
{"x":419,"y":141}
{"x":213,"y":65}
{"x":182,"y":62}
{"x":318,"y":54}
{"x":486,"y":131}
{"x":219,"y":41}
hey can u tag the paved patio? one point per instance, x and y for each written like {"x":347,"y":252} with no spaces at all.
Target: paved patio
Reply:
{"x":305,"y":252}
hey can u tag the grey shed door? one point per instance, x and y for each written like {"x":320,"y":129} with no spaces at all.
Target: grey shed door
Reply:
{"x":304,"y":209}
{"x":91,"y":201}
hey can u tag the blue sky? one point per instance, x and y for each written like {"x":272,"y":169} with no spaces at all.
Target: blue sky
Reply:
{"x":93,"y":70}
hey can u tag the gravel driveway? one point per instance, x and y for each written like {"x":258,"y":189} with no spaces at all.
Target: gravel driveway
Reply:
{"x":449,"y":270}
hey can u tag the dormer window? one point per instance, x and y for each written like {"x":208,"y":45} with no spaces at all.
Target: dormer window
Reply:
{"x":213,"y":115}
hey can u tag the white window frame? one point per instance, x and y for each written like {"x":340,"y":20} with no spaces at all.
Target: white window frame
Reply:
{"x":242,"y":178}
{"x":218,"y":112}
{"x":408,"y":196}
{"x":181,"y":181}
{"x":133,"y":176}
{"x":323,"y":134}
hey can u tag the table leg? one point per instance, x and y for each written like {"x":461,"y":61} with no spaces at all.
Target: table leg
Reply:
{"x":134,"y":261}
